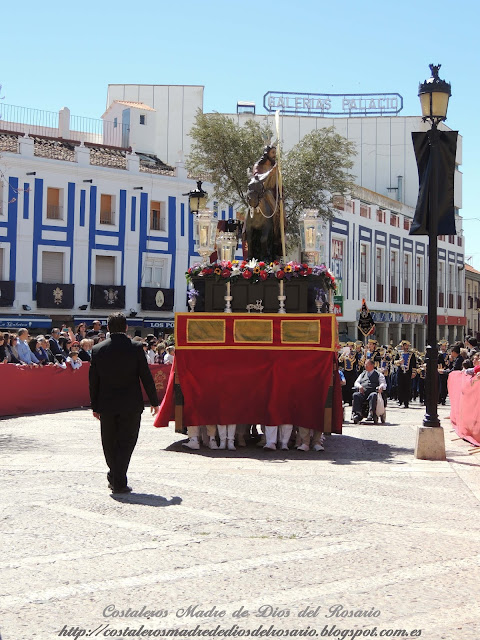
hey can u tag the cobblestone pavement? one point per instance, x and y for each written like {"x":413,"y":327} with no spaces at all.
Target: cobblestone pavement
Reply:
{"x":362,"y":526}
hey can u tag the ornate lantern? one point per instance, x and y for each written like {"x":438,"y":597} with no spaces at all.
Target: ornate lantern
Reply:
{"x":434,"y":94}
{"x":205,"y":229}
{"x":311,"y":234}
{"x":197,"y":198}
{"x":226,"y":245}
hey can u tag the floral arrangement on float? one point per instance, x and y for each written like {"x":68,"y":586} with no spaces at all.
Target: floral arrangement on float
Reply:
{"x":258,"y":271}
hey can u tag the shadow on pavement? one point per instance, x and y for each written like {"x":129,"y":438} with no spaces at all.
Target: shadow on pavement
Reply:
{"x":339,"y":449}
{"x":147,"y":499}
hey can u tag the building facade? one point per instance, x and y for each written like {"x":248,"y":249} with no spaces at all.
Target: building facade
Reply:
{"x":472,"y":293}
{"x":98,"y":209}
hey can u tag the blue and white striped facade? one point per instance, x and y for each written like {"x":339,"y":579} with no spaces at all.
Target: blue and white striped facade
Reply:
{"x":26,"y":232}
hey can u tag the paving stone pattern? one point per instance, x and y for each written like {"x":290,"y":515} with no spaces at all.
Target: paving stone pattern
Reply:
{"x":360,"y":526}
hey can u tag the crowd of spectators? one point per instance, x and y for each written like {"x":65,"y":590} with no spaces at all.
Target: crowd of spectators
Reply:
{"x":64,"y":347}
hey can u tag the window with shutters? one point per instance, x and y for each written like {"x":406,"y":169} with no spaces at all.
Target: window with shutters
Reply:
{"x":2,"y":269}
{"x":54,"y":204}
{"x":363,"y":263}
{"x":379,"y":274}
{"x":107,"y":209}
{"x":394,"y":273}
{"x":105,"y":270}
{"x":157,"y":216}
{"x":52,"y":266}
{"x":153,"y":272}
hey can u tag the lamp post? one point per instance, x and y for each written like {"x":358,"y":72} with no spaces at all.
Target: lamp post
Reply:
{"x":434,"y":94}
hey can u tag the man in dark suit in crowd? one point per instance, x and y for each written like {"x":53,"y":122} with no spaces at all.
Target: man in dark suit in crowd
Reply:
{"x":117,"y":367}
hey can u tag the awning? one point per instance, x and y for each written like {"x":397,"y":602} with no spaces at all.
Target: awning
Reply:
{"x":132,"y":322}
{"x":159,"y":323}
{"x":27,"y":322}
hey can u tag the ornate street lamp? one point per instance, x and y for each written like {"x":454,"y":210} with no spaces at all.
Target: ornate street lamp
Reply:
{"x":311,"y":234}
{"x":434,"y":94}
{"x":197,"y":198}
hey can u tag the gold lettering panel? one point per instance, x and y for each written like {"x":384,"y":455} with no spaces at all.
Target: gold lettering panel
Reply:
{"x":205,"y":331}
{"x":300,"y":331}
{"x":253,"y":331}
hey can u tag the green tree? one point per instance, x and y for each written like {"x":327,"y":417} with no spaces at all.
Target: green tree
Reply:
{"x":316,"y":168}
{"x":223,"y":152}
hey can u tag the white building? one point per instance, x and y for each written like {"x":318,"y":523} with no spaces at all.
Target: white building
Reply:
{"x":87,"y":202}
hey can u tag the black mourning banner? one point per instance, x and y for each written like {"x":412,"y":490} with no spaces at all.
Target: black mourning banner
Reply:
{"x":7,"y":293}
{"x":155,"y":299}
{"x":365,"y":322}
{"x":446,"y":149}
{"x":55,"y":296}
{"x":107,"y":296}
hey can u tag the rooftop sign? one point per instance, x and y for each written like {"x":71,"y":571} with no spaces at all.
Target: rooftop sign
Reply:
{"x":333,"y":104}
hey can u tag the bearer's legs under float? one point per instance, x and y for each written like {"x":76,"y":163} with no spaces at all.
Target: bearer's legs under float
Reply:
{"x":226,"y":433}
{"x":271,"y":436}
{"x":194,"y":437}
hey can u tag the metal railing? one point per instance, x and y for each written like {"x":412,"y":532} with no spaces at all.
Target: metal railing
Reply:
{"x":54,"y":212}
{"x":107,"y":217}
{"x":63,"y":125}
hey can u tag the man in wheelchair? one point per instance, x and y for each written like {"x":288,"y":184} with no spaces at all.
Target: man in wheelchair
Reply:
{"x":367,"y":386}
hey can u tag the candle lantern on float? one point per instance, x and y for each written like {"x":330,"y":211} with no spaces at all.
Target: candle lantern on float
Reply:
{"x":205,"y":230}
{"x":311,"y":235}
{"x":226,"y":245}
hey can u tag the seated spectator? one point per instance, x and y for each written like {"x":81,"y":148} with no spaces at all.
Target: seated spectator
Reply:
{"x":151,"y":352}
{"x":44,"y":343}
{"x":168,"y":359}
{"x":73,"y":359}
{"x":65,"y":345}
{"x":85,"y":351}
{"x":36,"y":345}
{"x":3,"y":350}
{"x":11,"y":348}
{"x":101,"y":336}
{"x":55,"y":347}
{"x":81,"y":332}
{"x":25,"y":354}
{"x":161,"y":352}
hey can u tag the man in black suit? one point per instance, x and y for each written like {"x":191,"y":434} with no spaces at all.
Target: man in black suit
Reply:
{"x":117,"y":366}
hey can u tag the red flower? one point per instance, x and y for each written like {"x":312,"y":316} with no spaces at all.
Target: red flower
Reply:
{"x":280,"y":274}
{"x":263,"y":275}
{"x":226,"y":273}
{"x":309,"y":271}
{"x":261,"y":264}
{"x":247,"y":274}
{"x":208,"y":271}
{"x":305,"y":265}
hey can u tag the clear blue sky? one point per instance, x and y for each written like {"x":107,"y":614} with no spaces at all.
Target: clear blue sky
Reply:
{"x":65,"y":54}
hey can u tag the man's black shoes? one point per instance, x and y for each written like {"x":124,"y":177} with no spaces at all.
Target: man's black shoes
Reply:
{"x":125,"y":489}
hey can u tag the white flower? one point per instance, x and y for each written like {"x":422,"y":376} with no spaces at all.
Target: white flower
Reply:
{"x":251,"y":264}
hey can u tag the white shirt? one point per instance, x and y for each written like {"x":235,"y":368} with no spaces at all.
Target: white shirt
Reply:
{"x":168,"y":358}
{"x":382,"y":384}
{"x":150,"y":356}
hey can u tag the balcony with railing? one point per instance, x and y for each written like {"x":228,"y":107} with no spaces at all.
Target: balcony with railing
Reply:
{"x":54,"y":212}
{"x":107,"y":217}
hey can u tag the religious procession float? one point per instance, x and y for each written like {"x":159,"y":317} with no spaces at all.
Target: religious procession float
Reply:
{"x":259,"y":343}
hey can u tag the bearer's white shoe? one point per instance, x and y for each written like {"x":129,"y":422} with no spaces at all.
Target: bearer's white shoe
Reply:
{"x":231,"y":445}
{"x":192,"y":444}
{"x":223,"y":444}
{"x":271,"y":446}
{"x":303,"y":447}
{"x":318,"y":447}
{"x":213,"y":444}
